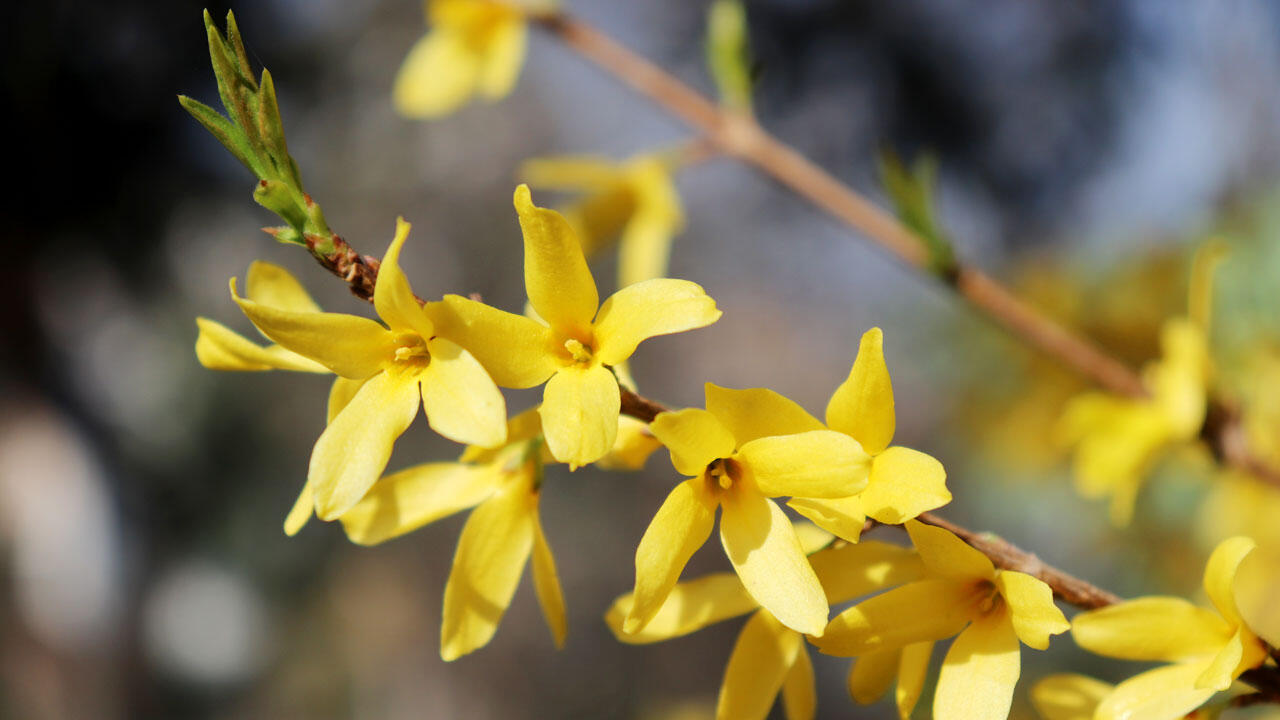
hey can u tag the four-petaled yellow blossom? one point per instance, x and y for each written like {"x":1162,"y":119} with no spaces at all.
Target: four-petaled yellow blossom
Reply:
{"x":990,"y":609}
{"x":903,"y":482}
{"x":1208,"y":650}
{"x":396,"y":367}
{"x":768,"y":657}
{"x":1117,"y":439}
{"x":634,"y":200}
{"x":474,"y":47}
{"x":740,"y":452}
{"x":581,"y":338}
{"x":497,"y":541}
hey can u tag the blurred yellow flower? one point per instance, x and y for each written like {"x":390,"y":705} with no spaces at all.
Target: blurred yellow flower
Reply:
{"x":474,"y":47}
{"x":580,"y":339}
{"x":499,"y":538}
{"x":1117,"y":440}
{"x":1208,"y":650}
{"x":392,"y":369}
{"x":963,"y":593}
{"x":1068,"y":696}
{"x":746,"y":447}
{"x":634,"y":201}
{"x":903,"y":482}
{"x":768,"y":657}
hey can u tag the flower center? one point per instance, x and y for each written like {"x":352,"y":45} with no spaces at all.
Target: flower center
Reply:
{"x":580,"y":353}
{"x":988,"y":597}
{"x":411,"y":349}
{"x":724,"y":472}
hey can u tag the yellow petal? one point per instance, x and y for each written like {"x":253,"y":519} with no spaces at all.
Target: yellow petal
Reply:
{"x":851,"y":571}
{"x":461,"y":401}
{"x":493,"y":548}
{"x":690,"y":606}
{"x":523,"y":427}
{"x":1220,"y":575}
{"x":351,"y":346}
{"x":1068,"y":696}
{"x":1165,"y":693}
{"x":767,"y":556}
{"x":407,"y":500}
{"x":872,"y":674}
{"x":799,"y":691}
{"x":546,"y":582}
{"x":645,"y":248}
{"x":438,"y":76}
{"x":761,"y":657}
{"x":817,"y":463}
{"x":580,"y":414}
{"x":353,"y":450}
{"x":583,"y":173}
{"x":632,"y":448}
{"x":340,"y":394}
{"x":842,"y":517}
{"x":694,"y":437}
{"x":863,"y":404}
{"x":303,"y":508}
{"x":757,"y":412}
{"x":903,"y":484}
{"x":1034,"y":615}
{"x":220,"y":348}
{"x":517,"y":351}
{"x":503,"y":56}
{"x":273,"y":286}
{"x":1221,"y":671}
{"x":911,"y":676}
{"x":947,"y":555}
{"x":654,"y":307}
{"x":679,"y":528}
{"x":979,"y":671}
{"x":556,"y":277}
{"x":916,"y":612}
{"x":1151,"y":628}
{"x":392,"y":296}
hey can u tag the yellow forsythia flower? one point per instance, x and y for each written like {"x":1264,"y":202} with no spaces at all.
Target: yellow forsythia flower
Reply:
{"x":475,"y":47}
{"x":903,"y":482}
{"x":768,"y":657}
{"x":391,"y":371}
{"x":579,"y":340}
{"x":990,"y":609}
{"x":1208,"y":650}
{"x":741,"y":451}
{"x":1068,"y":696}
{"x":1118,"y":440}
{"x":500,"y":536}
{"x":634,"y":201}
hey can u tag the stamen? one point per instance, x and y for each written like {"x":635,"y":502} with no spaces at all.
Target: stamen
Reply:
{"x":580,"y":353}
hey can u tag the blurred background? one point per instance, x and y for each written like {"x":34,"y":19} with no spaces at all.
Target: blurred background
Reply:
{"x":1086,"y":149}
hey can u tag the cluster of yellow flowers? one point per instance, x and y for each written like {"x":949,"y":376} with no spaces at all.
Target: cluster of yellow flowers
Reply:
{"x":743,"y":450}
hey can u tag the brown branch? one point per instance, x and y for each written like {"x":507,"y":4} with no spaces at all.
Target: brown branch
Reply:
{"x":740,"y":136}
{"x":1005,"y":555}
